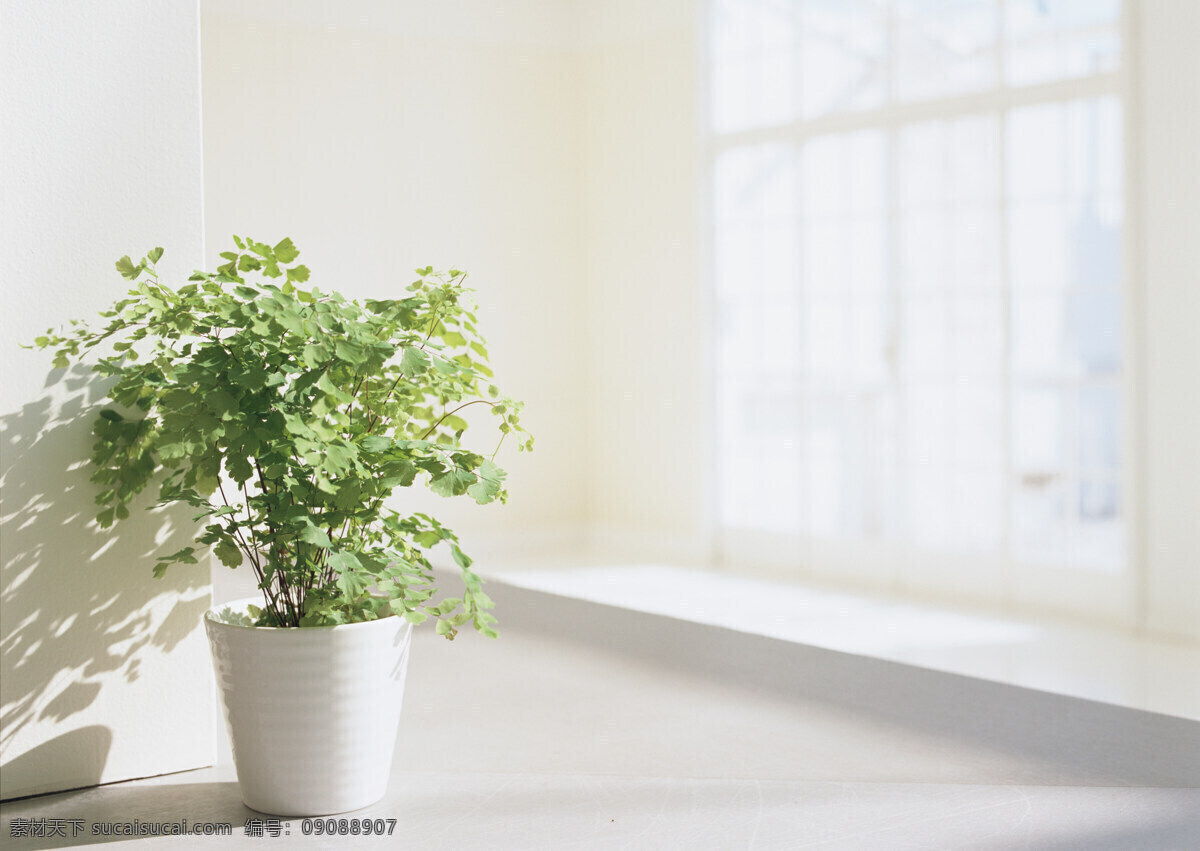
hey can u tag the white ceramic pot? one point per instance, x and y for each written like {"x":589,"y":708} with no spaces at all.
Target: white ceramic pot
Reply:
{"x":312,"y":712}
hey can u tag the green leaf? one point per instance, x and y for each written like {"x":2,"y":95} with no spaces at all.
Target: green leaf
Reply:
{"x":228,"y":553}
{"x":460,"y":558}
{"x":339,"y":458}
{"x":324,"y":383}
{"x":413,"y":362}
{"x":452,"y":482}
{"x":375,"y":443}
{"x":127,"y":268}
{"x":315,"y":535}
{"x":490,"y":484}
{"x":286,"y":251}
{"x":349,"y":352}
{"x":427,"y":539}
{"x":155,"y":254}
{"x":247,"y":263}
{"x":298,"y":274}
{"x":316,"y":354}
{"x":221,"y":403}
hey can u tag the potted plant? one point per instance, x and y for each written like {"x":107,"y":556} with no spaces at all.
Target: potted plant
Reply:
{"x":286,"y":416}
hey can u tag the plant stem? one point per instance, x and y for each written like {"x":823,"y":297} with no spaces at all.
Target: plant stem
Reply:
{"x":452,"y":413}
{"x":272,"y":604}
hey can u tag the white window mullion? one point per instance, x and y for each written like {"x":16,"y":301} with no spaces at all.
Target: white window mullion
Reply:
{"x":900,"y":114}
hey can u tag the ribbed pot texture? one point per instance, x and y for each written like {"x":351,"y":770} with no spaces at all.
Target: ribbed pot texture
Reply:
{"x":312,"y":712}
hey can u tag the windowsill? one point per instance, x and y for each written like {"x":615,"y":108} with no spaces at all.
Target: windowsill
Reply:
{"x":1105,"y":665}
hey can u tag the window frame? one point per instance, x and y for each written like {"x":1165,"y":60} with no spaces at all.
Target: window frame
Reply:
{"x":995,"y":580}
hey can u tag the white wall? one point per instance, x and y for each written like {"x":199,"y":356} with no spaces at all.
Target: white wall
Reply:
{"x":651,"y":449}
{"x":1170,"y":258}
{"x":382,"y":137}
{"x":102,"y":667}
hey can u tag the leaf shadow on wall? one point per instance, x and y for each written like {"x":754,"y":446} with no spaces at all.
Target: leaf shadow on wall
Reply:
{"x":81,"y":609}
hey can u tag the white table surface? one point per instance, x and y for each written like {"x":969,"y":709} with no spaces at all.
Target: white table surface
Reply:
{"x":585,"y":726}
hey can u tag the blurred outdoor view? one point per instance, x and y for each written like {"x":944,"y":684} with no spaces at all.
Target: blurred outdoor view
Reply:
{"x":917,"y":212}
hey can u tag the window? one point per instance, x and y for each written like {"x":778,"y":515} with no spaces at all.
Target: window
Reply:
{"x":917,"y":212}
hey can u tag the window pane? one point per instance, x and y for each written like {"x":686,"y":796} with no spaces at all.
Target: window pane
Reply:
{"x":756,"y":254}
{"x":1038,"y":331}
{"x":926,"y":257}
{"x":844,"y":173}
{"x":827,"y":330}
{"x":978,"y":323}
{"x":761,"y":465}
{"x":844,"y":52}
{"x":1037,"y":153}
{"x":975,"y":236}
{"x":1095,"y":245}
{"x":944,"y":47}
{"x":1038,"y":245}
{"x":756,"y":184}
{"x":943,"y":162}
{"x":1099,"y":534}
{"x":949,"y":184}
{"x":928,"y":337}
{"x":755,"y":66}
{"x":1039,"y":428}
{"x":1041,"y":524}
{"x":1059,"y":39}
{"x":1093,"y":332}
{"x":928,"y":313}
{"x":979,"y":426}
{"x":826,"y":257}
{"x":829,"y":491}
{"x":978,"y":509}
{"x":1098,"y":431}
{"x":1094,"y":146}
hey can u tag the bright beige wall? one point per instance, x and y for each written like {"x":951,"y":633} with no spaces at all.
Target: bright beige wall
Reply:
{"x":1169,"y":138}
{"x":551,"y":149}
{"x":647,"y":322}
{"x":382,"y":137}
{"x":104,"y":671}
